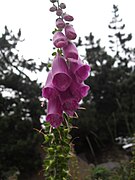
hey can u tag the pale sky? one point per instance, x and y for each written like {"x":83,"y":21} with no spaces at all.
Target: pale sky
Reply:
{"x":37,"y":22}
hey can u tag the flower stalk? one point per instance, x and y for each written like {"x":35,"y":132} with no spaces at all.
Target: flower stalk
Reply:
{"x":63,"y":91}
{"x":57,"y":149}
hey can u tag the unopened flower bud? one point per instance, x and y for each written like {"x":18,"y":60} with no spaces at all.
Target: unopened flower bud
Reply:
{"x":68,"y":17}
{"x":53,"y":1}
{"x":53,"y":8}
{"x":62,"y":5}
{"x":70,"y":32}
{"x":59,"y":12}
{"x":60,"y":24}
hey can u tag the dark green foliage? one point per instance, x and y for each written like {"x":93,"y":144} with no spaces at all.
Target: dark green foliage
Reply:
{"x":118,"y":39}
{"x":110,"y":106}
{"x":132,"y":162}
{"x":100,"y":173}
{"x":20,"y":109}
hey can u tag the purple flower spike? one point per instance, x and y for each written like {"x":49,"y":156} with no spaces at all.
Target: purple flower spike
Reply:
{"x":54,"y":112}
{"x":80,"y":70}
{"x":68,"y":17}
{"x":60,"y":23}
{"x":69,"y":103}
{"x":70,"y":32}
{"x":61,"y":78}
{"x":70,"y":51}
{"x":59,"y":39}
{"x":79,"y":90}
{"x":48,"y":90}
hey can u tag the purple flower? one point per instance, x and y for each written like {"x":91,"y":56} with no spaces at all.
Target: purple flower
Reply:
{"x":70,"y":32}
{"x":48,"y":90}
{"x":68,"y":17}
{"x":79,"y":90}
{"x":54,"y":112}
{"x":60,"y":23}
{"x":61,"y":78}
{"x":70,"y":51}
{"x":69,"y":103}
{"x":64,"y":87}
{"x":59,"y":39}
{"x":80,"y":70}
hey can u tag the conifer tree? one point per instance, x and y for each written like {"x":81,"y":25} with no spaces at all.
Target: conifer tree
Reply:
{"x":20,"y":109}
{"x":110,"y":105}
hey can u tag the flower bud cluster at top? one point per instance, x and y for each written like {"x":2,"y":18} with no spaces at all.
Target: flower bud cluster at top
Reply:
{"x":64,"y":87}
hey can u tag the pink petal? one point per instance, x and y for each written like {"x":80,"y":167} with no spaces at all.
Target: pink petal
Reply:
{"x":82,"y":73}
{"x":49,"y":91}
{"x":70,"y":51}
{"x":59,"y":39}
{"x":79,"y":90}
{"x":60,"y":23}
{"x":69,"y":103}
{"x":70,"y":32}
{"x":68,"y":17}
{"x":80,"y":70}
{"x":54,"y":112}
{"x":61,"y":78}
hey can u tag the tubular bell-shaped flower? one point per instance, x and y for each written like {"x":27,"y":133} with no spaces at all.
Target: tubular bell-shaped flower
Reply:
{"x":61,"y":78}
{"x":69,"y":103}
{"x":79,"y":90}
{"x":70,"y":51}
{"x":54,"y":112}
{"x":49,"y":91}
{"x":68,"y":17}
{"x":80,"y":70}
{"x":60,"y":24}
{"x":59,"y":40}
{"x":70,"y":32}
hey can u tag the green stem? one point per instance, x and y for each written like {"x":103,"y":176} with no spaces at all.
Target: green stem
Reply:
{"x":58,"y":3}
{"x":57,"y":149}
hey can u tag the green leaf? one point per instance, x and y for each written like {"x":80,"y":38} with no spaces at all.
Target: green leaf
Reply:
{"x":54,"y":54}
{"x":55,"y":30}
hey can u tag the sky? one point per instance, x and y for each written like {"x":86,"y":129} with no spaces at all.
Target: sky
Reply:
{"x":37,"y":22}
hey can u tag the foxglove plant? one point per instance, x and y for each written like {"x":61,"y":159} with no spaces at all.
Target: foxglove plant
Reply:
{"x":64,"y":89}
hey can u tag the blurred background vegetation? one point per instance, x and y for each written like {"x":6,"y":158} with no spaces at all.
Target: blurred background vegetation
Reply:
{"x":109,"y":113}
